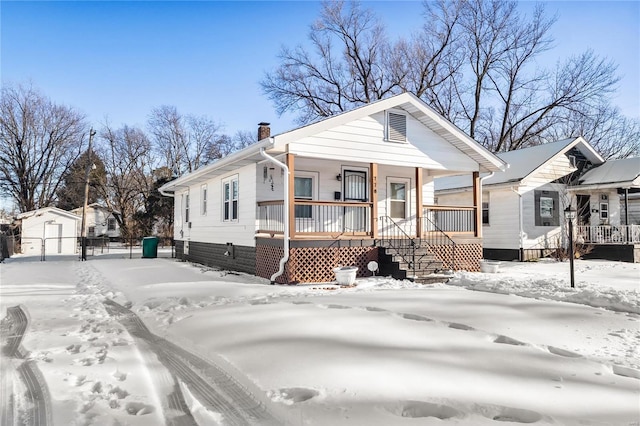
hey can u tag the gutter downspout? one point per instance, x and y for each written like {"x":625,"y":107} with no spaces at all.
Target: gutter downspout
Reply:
{"x":520,"y":225}
{"x":285,"y":258}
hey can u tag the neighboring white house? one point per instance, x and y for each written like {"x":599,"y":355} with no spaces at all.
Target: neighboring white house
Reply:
{"x":346,"y":190}
{"x":523,"y":207}
{"x":100,"y":221}
{"x":50,"y":228}
{"x":623,"y":176}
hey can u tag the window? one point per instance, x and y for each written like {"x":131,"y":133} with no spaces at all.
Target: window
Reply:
{"x":396,"y":127}
{"x":604,"y":211}
{"x":92,"y":231}
{"x":111,"y":224}
{"x":572,"y":161}
{"x":230,"y":199}
{"x":398,"y":199}
{"x":186,"y":207}
{"x":546,"y":208}
{"x":303,"y":190}
{"x":204,"y":200}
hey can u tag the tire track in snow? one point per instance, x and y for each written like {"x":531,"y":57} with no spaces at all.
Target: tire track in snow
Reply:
{"x":37,"y":410}
{"x":211,"y":385}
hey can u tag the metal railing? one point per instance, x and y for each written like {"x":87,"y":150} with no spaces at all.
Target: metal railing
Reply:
{"x":317,"y":218}
{"x":415,"y":250}
{"x":450,"y":219}
{"x":608,"y":234}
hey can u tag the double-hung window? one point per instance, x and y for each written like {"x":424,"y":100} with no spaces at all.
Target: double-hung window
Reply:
{"x":230,"y":199}
{"x":303,"y":190}
{"x":186,"y":207}
{"x":398,"y":199}
{"x":485,"y":208}
{"x":204,"y":200}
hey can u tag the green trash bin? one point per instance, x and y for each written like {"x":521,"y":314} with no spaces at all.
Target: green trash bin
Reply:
{"x":150,"y":247}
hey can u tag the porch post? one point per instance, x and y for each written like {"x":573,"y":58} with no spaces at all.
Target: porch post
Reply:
{"x":373,"y":175}
{"x":292,"y":199}
{"x":477,"y":204}
{"x":419,"y":201}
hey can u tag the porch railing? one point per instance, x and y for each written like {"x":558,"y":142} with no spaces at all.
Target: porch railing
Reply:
{"x":415,"y":250}
{"x":608,"y":234}
{"x":449,"y":219}
{"x":317,"y":218}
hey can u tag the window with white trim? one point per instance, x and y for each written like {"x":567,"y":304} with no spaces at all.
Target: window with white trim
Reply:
{"x":398,"y":199}
{"x":185,"y":199}
{"x":485,"y":209}
{"x":604,"y":211}
{"x":111,"y":224}
{"x":396,"y":128}
{"x":303,"y":190}
{"x":230,"y":199}
{"x":203,"y":199}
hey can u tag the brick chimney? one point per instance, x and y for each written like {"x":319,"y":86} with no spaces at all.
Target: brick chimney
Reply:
{"x":264,"y":131}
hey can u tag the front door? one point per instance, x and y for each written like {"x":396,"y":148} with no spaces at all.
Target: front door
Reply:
{"x":355,"y":189}
{"x":584,"y":210}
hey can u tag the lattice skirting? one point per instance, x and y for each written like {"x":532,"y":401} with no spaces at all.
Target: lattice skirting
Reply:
{"x":467,"y":256}
{"x":312,"y":264}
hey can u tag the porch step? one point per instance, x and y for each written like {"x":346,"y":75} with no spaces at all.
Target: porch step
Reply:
{"x":431,"y":279}
{"x":426,"y":270}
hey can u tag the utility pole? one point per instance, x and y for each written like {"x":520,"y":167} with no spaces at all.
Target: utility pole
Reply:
{"x":83,"y":232}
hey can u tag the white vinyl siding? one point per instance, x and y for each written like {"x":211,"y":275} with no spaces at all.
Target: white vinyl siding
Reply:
{"x":365,"y":138}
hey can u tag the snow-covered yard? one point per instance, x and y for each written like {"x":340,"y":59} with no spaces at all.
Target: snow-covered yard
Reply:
{"x":526,"y":348}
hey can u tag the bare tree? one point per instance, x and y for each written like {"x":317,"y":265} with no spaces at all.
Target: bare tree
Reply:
{"x":126,"y":153}
{"x":474,"y":62}
{"x":39,"y":140}
{"x":352,"y":64}
{"x":184,"y":142}
{"x":612,"y":134}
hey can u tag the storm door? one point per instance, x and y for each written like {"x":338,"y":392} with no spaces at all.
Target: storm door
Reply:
{"x":355,"y":189}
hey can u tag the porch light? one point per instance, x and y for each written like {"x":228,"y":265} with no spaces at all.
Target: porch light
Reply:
{"x":339,"y":177}
{"x":570,"y":215}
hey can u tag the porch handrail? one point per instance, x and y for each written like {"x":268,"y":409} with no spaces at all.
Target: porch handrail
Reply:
{"x":392,"y":235}
{"x":438,"y":241}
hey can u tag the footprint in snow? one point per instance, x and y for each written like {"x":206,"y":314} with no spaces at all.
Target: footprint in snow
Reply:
{"x":459,"y":326}
{"x":414,"y":317}
{"x":508,"y":341}
{"x":563,"y":352}
{"x":423,"y":409}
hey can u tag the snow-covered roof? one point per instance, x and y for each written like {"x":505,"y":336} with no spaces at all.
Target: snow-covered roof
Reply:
{"x":44,"y":210}
{"x":623,"y":173}
{"x":523,"y":163}
{"x":277,"y":144}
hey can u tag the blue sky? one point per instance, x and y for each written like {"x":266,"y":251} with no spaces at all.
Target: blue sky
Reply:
{"x":120,"y":59}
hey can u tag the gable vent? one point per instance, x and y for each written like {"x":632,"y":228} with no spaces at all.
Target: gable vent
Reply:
{"x":396,"y":127}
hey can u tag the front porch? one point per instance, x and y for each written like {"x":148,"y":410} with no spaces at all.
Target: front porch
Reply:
{"x":324,"y":235}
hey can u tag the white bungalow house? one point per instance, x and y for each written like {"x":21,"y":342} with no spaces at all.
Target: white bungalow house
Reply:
{"x":523,"y":207}
{"x":609,"y":209}
{"x":49,"y":231}
{"x":100,"y":221}
{"x":347,"y":190}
